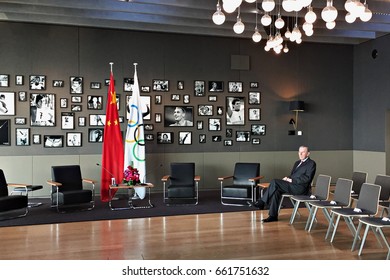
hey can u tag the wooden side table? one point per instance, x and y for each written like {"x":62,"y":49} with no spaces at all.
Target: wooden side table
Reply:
{"x":130,"y":200}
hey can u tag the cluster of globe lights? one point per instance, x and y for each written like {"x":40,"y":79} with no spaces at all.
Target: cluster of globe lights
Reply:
{"x":355,"y":9}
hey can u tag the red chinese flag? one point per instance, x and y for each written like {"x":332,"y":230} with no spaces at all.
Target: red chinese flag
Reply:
{"x":113,"y":152}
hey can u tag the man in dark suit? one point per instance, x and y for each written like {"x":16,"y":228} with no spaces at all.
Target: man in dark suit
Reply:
{"x":297,"y":183}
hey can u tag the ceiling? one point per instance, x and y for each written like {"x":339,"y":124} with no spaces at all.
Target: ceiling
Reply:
{"x":189,"y":17}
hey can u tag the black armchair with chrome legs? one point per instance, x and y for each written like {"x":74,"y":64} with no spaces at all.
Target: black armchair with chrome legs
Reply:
{"x":68,"y":191}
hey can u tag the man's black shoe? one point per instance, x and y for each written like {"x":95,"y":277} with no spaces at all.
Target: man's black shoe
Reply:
{"x":258,"y":204}
{"x":270,"y":219}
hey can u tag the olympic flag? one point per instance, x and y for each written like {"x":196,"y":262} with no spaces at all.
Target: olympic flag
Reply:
{"x":135,"y":140}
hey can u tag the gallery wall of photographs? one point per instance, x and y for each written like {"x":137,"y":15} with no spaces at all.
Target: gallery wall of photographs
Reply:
{"x":225,"y":112}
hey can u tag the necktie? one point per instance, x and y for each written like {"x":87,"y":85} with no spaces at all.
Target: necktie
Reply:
{"x":300,"y":163}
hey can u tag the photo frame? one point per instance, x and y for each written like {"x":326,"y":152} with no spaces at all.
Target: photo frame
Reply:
{"x":258,"y":129}
{"x":160,"y":85}
{"x":121,"y":119}
{"x":145,"y":105}
{"x":199,"y":88}
{"x":42,"y":109}
{"x":22,"y":96}
{"x":95,"y":102}
{"x":235,"y":87}
{"x":229,"y":133}
{"x":19,"y":80}
{"x":212,"y":98}
{"x":73,"y":139}
{"x":36,"y":139}
{"x":180,"y":85}
{"x":164,"y":137}
{"x":254,"y":85}
{"x":235,"y":110}
{"x":205,"y":110}
{"x":67,"y":120}
{"x":256,"y":141}
{"x":22,"y":136}
{"x":148,"y":127}
{"x":185,"y":137}
{"x":175,"y":97}
{"x":82,"y":121}
{"x":202,"y":138}
{"x":254,"y":114}
{"x":76,"y":85}
{"x":215,"y":124}
{"x":254,"y":98}
{"x":128,"y":84}
{"x":107,"y":82}
{"x":215,"y":86}
{"x":216,"y":138}
{"x":158,"y":117}
{"x":228,"y":142}
{"x":145,"y":89}
{"x":20,"y":121}
{"x":37,"y":82}
{"x":220,"y":110}
{"x":4,"y":80}
{"x":5,"y":132}
{"x":95,"y":85}
{"x":157,"y":99}
{"x":58,"y":83}
{"x":149,"y":137}
{"x":53,"y":141}
{"x":97,"y":119}
{"x":7,"y":103}
{"x":95,"y":135}
{"x":76,"y":108}
{"x":178,"y":116}
{"x":243,"y":136}
{"x":199,"y":125}
{"x":63,"y":102}
{"x":186,"y":99}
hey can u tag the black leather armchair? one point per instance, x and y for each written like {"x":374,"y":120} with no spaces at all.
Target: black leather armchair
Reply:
{"x":11,"y":206}
{"x":181,"y":187}
{"x":67,"y":188}
{"x":242,"y":184}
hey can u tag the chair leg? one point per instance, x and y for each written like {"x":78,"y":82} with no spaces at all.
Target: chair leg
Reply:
{"x":363,"y":239}
{"x":330,"y":226}
{"x":312,"y":216}
{"x":335,"y":227}
{"x":350,"y":225}
{"x":296,"y":205}
{"x":356,"y":238}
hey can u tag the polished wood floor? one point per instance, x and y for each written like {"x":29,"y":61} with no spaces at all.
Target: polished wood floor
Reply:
{"x":238,"y":235}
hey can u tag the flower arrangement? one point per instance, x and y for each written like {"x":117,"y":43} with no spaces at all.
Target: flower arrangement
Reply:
{"x":131,"y":176}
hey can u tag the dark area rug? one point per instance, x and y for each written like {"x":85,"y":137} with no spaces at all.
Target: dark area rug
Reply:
{"x":209,"y":202}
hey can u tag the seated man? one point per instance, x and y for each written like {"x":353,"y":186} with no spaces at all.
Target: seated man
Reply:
{"x":298,"y":183}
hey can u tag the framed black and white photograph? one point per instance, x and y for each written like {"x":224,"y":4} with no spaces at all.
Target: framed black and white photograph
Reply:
{"x":228,"y":142}
{"x":160,"y":85}
{"x":164,"y":137}
{"x":178,"y":116}
{"x":7,"y":103}
{"x":254,"y":98}
{"x":157,"y":99}
{"x":202,"y":138}
{"x":53,"y":141}
{"x":67,"y":120}
{"x":5,"y":132}
{"x":19,"y":80}
{"x":63,"y":102}
{"x":107,"y":82}
{"x":254,"y":114}
{"x":95,"y":135}
{"x":76,"y":99}
{"x":4,"y":80}
{"x":128,"y":84}
{"x":121,"y":119}
{"x":76,"y":108}
{"x":175,"y":97}
{"x":243,"y":136}
{"x":97,"y":120}
{"x":215,"y":86}
{"x":76,"y":85}
{"x":212,"y":98}
{"x":229,"y":133}
{"x":22,"y":136}
{"x":256,"y":141}
{"x":82,"y":121}
{"x":199,"y":88}
{"x":22,"y":96}
{"x":235,"y":110}
{"x":36,"y":139}
{"x":149,"y":137}
{"x":42,"y":109}
{"x":73,"y":139}
{"x":219,"y":110}
{"x":158,"y":117}
{"x":148,"y":127}
{"x":258,"y":129}
{"x":37,"y":82}
{"x":186,"y":99}
{"x":58,"y":83}
{"x":216,"y":138}
{"x":185,"y":137}
{"x":145,"y":107}
{"x":235,"y":87}
{"x":118,"y":101}
{"x":145,"y":88}
{"x":214,"y":124}
{"x":254,"y":85}
{"x":205,"y":110}
{"x":20,"y":121}
{"x":180,"y":85}
{"x":199,"y":125}
{"x":95,"y":85}
{"x":95,"y":102}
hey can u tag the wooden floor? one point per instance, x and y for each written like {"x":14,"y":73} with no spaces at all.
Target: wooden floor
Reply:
{"x":237,"y":235}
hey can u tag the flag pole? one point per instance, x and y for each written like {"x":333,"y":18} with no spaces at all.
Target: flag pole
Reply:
{"x":111,"y":63}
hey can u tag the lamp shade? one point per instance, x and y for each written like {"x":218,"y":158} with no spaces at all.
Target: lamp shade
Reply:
{"x":297,"y":106}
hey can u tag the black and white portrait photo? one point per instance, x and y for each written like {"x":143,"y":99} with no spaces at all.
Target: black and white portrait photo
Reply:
{"x":37,"y":82}
{"x":178,"y":116}
{"x":42,"y":109}
{"x":254,"y":114}
{"x":7,"y":103}
{"x":214,"y":124}
{"x":215,"y":86}
{"x":58,"y":83}
{"x":95,"y":135}
{"x":243,"y":136}
{"x":73,"y":139}
{"x":258,"y":129}
{"x":185,"y":138}
{"x":205,"y":110}
{"x":128,"y":84}
{"x":199,"y":88}
{"x":22,"y":96}
{"x":160,"y":85}
{"x":95,"y":102}
{"x":53,"y":141}
{"x":4,"y":80}
{"x":76,"y":85}
{"x":97,"y":120}
{"x":235,"y":86}
{"x":254,"y":97}
{"x":22,"y":137}
{"x":235,"y":111}
{"x":67,"y":120}
{"x":164,"y":137}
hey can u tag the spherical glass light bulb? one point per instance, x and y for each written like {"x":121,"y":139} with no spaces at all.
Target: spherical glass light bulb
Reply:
{"x":285,"y":49}
{"x":350,"y":18}
{"x":329,"y":13}
{"x":288,"y":33}
{"x":268,"y":5}
{"x":266,"y":19}
{"x":250,"y":1}
{"x":298,"y":41}
{"x":367,"y":15}
{"x":310,"y":16}
{"x":309,"y":32}
{"x":305,"y":3}
{"x":228,"y":8}
{"x":277,"y":51}
{"x":288,"y":5}
{"x":349,"y":4}
{"x":218,"y":16}
{"x":358,"y":9}
{"x":238,"y":27}
{"x":330,"y":25}
{"x":279,"y":23}
{"x":256,"y":37}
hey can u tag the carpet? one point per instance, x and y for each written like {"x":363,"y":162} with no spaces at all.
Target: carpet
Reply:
{"x":209,"y":202}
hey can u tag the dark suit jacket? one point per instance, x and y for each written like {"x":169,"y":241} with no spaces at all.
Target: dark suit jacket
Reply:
{"x":304,"y":174}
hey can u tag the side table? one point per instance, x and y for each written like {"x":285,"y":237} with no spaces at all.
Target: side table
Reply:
{"x":130,"y":199}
